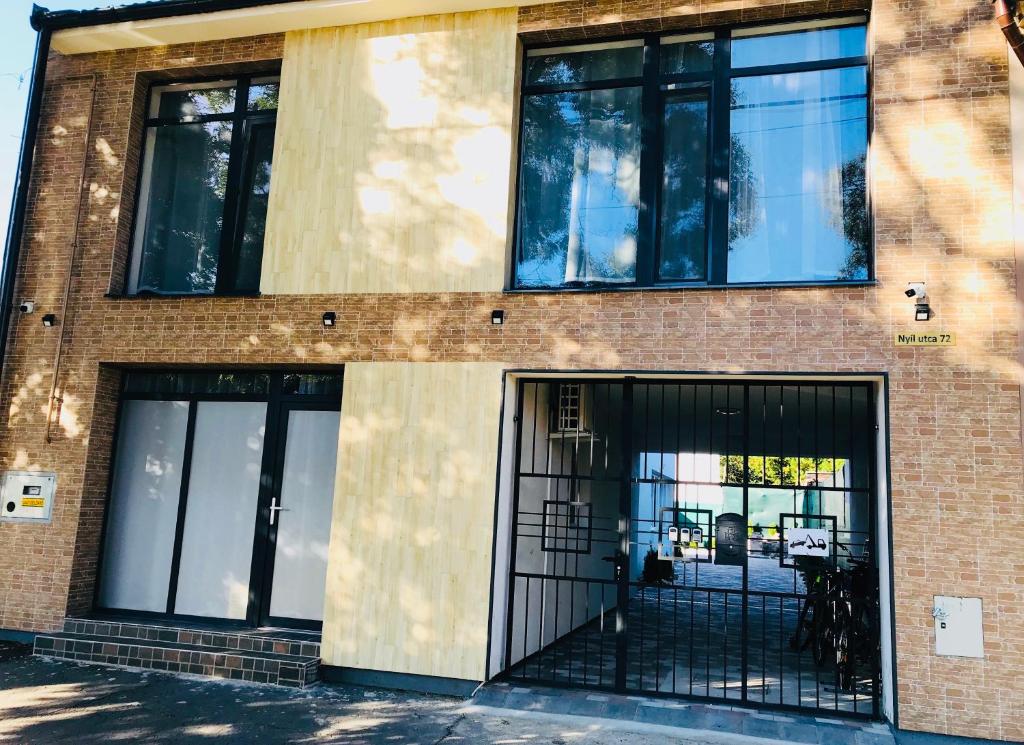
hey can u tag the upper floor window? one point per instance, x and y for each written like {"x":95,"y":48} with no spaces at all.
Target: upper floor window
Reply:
{"x":204,"y":187}
{"x":707,"y":159}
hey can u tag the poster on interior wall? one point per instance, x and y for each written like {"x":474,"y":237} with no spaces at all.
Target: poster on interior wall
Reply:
{"x":808,"y":542}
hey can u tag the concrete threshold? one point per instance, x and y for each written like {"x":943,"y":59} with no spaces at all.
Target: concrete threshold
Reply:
{"x":706,"y":723}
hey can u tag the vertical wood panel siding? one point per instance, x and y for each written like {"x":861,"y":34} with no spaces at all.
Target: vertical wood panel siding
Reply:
{"x":410,"y":553}
{"x":393,"y":157}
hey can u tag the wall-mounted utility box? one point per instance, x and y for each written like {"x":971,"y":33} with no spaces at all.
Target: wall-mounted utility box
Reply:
{"x":27,"y":496}
{"x":958,"y":627}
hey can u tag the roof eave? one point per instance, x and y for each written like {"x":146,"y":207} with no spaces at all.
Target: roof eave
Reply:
{"x":57,"y":20}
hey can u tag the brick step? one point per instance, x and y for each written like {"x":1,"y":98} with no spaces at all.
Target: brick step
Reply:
{"x":216,"y":661}
{"x":279,"y":641}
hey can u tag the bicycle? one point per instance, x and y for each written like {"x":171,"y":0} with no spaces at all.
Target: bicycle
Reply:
{"x":839,"y":616}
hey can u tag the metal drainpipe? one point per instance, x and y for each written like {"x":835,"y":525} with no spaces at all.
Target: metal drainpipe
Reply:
{"x":1005,"y":17}
{"x":16,"y":225}
{"x":56,"y":400}
{"x":1004,"y":10}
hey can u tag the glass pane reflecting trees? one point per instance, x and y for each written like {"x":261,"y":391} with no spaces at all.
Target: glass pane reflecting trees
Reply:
{"x":187,"y":173}
{"x":204,"y":187}
{"x":580,"y":178}
{"x":684,"y":189}
{"x":777,"y":194}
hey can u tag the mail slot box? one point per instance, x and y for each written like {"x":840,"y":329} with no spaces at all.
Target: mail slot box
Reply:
{"x":27,"y":496}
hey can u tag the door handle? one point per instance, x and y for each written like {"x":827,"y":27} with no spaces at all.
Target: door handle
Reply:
{"x":618,"y":560}
{"x":274,"y":509}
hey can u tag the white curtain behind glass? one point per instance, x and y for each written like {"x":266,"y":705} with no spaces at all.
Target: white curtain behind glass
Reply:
{"x":143,"y":509}
{"x":220,"y":519}
{"x":304,"y":530}
{"x":795,"y":138}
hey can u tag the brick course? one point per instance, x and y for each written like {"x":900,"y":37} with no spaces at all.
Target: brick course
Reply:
{"x":941,"y":196}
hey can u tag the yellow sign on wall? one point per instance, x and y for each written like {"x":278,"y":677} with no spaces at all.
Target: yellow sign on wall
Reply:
{"x":926,"y":339}
{"x":32,"y":502}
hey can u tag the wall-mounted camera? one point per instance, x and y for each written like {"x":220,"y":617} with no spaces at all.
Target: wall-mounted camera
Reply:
{"x":27,"y":306}
{"x":916,"y":290}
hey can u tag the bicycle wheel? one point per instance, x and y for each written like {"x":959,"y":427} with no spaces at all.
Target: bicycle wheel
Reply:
{"x":821,"y":634}
{"x":865,"y":642}
{"x":846,"y":667}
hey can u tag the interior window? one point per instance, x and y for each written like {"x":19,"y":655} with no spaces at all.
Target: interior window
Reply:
{"x":204,"y":187}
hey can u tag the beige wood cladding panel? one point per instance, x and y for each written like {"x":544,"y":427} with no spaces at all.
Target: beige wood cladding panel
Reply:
{"x":410,"y":554}
{"x":393,"y":157}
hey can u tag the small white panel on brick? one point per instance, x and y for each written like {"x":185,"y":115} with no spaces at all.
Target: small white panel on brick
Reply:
{"x":958,"y":627}
{"x":27,"y":496}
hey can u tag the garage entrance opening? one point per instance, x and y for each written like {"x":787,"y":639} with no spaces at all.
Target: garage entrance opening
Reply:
{"x":699,"y":539}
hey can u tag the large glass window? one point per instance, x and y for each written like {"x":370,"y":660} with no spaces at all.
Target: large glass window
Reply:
{"x":796,"y":207}
{"x":204,"y":187}
{"x":718,"y":158}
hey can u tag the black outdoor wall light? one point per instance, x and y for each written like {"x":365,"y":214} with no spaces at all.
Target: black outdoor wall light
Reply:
{"x":497,"y":317}
{"x":330,"y":319}
{"x":49,"y":320}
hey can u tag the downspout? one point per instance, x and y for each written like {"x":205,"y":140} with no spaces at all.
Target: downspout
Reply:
{"x":16,"y":225}
{"x":56,"y":399}
{"x":1005,"y":11}
{"x":1005,"y":17}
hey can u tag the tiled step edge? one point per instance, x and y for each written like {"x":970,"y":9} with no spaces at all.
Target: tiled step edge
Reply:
{"x":239,"y":640}
{"x":214,"y":662}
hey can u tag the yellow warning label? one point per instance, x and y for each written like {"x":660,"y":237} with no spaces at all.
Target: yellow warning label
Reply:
{"x":926,"y":340}
{"x":33,"y":502}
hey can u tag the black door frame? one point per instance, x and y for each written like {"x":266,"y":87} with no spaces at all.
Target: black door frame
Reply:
{"x":621,"y":560}
{"x":265,"y":547}
{"x":278,"y":404}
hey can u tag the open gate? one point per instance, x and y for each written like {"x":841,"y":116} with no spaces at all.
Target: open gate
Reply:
{"x":702,"y":539}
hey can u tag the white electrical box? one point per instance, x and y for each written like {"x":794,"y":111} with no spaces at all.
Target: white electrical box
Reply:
{"x":958,"y":627}
{"x":27,"y":496}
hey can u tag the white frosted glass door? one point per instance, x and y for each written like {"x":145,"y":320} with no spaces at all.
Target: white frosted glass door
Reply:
{"x":220,"y":518}
{"x":143,"y":510}
{"x":304,"y":524}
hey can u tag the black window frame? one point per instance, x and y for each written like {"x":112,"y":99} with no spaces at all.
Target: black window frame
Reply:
{"x":656,"y":90}
{"x":240,"y":157}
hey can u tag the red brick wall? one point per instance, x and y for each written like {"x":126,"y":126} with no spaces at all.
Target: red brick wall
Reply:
{"x":941,"y":197}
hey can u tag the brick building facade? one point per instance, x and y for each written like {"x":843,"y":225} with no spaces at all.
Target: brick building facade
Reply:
{"x":941,"y":199}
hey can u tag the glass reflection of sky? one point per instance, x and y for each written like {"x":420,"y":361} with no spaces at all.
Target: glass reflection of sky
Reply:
{"x":802,"y":46}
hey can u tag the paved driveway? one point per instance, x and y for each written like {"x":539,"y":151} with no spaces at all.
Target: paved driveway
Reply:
{"x":59,"y":702}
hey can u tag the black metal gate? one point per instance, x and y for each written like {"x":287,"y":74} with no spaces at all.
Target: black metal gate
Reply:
{"x":701,"y":539}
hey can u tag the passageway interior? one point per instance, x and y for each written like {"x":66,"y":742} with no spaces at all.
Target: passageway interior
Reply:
{"x":698,"y":539}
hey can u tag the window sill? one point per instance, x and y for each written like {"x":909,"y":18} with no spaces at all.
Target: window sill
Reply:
{"x":177,"y":295}
{"x":662,"y":288}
